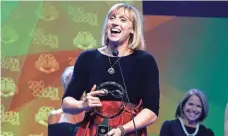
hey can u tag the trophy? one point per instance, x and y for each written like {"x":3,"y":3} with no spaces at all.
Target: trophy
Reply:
{"x":112,"y":90}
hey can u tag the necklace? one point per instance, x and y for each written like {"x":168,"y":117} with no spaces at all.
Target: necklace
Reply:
{"x":111,"y":70}
{"x":185,"y":131}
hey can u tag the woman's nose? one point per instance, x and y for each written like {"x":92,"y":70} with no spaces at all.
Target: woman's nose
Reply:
{"x":195,"y":109}
{"x":115,"y":22}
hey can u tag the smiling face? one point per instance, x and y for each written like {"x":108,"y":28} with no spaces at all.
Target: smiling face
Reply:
{"x":192,"y":109}
{"x":127,"y":24}
{"x":119,"y":26}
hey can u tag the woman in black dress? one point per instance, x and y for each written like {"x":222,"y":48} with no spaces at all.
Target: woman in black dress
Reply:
{"x":191,"y":111}
{"x":124,"y":79}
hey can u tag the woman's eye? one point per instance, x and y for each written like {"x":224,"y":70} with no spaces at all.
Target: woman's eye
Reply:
{"x":123,"y":20}
{"x":199,"y":106}
{"x":111,"y":18}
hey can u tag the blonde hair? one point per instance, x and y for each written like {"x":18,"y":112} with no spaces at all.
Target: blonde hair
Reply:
{"x":136,"y":40}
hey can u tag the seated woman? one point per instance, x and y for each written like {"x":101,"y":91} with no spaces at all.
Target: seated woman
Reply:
{"x":226,"y":120}
{"x":60,"y":123}
{"x":191,"y":111}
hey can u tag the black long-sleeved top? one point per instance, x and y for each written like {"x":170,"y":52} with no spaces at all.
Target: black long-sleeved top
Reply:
{"x":173,"y":128}
{"x":139,"y":70}
{"x":62,"y":129}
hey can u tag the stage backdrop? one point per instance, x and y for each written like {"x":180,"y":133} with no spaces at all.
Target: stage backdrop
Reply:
{"x":40,"y":39}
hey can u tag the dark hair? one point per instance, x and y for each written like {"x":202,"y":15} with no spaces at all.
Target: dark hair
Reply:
{"x":179,"y":111}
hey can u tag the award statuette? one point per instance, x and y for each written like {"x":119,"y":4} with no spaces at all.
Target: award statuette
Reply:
{"x":115,"y":91}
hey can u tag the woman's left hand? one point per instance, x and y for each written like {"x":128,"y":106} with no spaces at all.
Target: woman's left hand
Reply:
{"x":114,"y":132}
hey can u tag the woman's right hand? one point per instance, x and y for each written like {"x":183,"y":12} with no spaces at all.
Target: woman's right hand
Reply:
{"x":91,"y":101}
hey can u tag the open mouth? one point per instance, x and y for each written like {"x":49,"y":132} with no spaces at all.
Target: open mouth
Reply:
{"x":115,"y":31}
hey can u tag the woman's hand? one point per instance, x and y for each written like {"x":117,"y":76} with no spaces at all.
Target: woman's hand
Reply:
{"x":114,"y":132}
{"x":91,"y":100}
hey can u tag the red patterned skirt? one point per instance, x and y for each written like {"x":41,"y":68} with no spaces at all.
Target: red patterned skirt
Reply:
{"x":88,"y":127}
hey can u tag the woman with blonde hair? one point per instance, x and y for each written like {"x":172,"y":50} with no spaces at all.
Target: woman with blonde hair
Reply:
{"x":124,"y":78}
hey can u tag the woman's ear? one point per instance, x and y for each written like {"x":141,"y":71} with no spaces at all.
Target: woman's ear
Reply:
{"x":132,"y":31}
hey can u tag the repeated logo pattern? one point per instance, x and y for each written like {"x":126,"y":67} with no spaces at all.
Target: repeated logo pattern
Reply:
{"x":8,"y":87}
{"x":10,"y":63}
{"x":9,"y":34}
{"x":79,"y":15}
{"x":41,"y":38}
{"x":9,"y":116}
{"x":7,"y":134}
{"x":47,"y":63}
{"x":41,"y":116}
{"x":38,"y":90}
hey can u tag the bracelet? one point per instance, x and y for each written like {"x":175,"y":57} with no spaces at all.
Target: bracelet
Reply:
{"x":122,"y":130}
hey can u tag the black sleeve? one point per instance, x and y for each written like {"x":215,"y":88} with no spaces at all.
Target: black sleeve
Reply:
{"x":206,"y":131}
{"x":165,"y":129}
{"x":150,"y":86}
{"x":78,"y":81}
{"x":50,"y":130}
{"x":210,"y":133}
{"x":55,"y":130}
